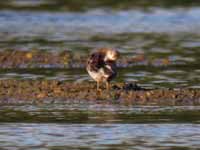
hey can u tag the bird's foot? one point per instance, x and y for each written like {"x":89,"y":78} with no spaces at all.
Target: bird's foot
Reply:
{"x":99,"y":91}
{"x":107,"y":86}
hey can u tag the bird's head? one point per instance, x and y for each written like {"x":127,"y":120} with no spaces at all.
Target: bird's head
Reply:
{"x":111,"y":55}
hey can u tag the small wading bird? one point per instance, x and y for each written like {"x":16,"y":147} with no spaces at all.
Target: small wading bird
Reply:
{"x":101,"y":66}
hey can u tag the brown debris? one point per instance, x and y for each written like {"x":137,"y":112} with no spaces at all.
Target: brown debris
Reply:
{"x":121,"y":93}
{"x":66,"y":59}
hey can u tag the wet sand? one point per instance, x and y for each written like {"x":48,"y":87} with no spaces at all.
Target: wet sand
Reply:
{"x":67,"y":59}
{"x":52,"y":91}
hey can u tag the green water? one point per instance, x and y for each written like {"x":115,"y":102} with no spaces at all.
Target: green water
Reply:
{"x":150,"y":77}
{"x":78,"y":5}
{"x":98,"y":126}
{"x":97,"y":113}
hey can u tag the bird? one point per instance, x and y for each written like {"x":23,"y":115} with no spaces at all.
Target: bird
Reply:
{"x":101,"y":66}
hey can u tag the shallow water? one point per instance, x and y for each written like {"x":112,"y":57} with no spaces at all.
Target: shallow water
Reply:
{"x":154,"y":77}
{"x":97,"y":112}
{"x":97,"y":136}
{"x":98,"y":126}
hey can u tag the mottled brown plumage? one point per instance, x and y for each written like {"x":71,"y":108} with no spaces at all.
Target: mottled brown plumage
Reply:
{"x":101,"y":65}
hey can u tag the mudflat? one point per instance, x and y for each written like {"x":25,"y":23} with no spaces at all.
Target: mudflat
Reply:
{"x":52,"y":91}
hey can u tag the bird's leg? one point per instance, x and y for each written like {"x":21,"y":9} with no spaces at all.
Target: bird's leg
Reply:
{"x":98,"y":85}
{"x":107,"y":85}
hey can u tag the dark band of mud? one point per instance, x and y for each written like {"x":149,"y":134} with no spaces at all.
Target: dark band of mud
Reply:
{"x":67,"y":59}
{"x":51,"y":91}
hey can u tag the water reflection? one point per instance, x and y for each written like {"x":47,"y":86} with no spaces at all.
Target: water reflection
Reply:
{"x":54,"y":128}
{"x":95,"y":136}
{"x":87,"y":112}
{"x":54,"y":31}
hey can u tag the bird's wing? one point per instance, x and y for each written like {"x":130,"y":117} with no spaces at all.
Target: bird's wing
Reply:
{"x":110,"y":70}
{"x":95,"y":61}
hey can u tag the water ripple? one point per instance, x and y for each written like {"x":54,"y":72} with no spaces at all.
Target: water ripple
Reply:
{"x":95,"y":136}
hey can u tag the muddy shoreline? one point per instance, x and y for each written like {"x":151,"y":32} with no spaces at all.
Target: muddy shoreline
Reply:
{"x":67,"y":59}
{"x":52,"y":91}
